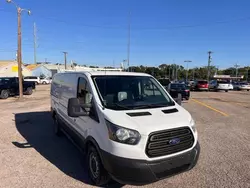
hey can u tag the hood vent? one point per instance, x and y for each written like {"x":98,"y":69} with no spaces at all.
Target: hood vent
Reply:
{"x":169,"y":111}
{"x":139,"y":114}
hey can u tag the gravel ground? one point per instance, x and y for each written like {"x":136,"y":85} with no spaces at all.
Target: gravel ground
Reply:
{"x":31,"y":156}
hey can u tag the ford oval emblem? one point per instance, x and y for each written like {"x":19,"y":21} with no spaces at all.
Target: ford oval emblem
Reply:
{"x":174,"y":141}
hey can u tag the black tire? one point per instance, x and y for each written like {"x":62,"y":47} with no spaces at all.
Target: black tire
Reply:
{"x":44,"y":83}
{"x":36,"y":83}
{"x":187,"y":98}
{"x":4,"y":94}
{"x":247,"y":89}
{"x":226,"y":90}
{"x":57,"y":127}
{"x":98,"y":175}
{"x":29,"y":91}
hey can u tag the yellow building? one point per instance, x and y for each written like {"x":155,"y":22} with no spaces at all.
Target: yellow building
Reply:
{"x":9,"y":68}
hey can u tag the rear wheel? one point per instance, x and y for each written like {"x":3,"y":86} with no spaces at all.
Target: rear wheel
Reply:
{"x":226,"y":90}
{"x":98,"y":175}
{"x":44,"y":82}
{"x":29,"y":91}
{"x":187,"y":98}
{"x":4,"y":94}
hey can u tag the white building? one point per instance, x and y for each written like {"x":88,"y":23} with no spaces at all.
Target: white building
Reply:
{"x":9,"y":68}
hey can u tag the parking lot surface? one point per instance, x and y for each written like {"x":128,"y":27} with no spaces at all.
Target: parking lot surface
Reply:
{"x":32,"y":156}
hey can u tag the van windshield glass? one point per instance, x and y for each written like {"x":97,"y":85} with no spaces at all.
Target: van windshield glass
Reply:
{"x":131,"y":92}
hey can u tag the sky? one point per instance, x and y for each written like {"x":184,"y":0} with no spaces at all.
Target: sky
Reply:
{"x":95,"y":32}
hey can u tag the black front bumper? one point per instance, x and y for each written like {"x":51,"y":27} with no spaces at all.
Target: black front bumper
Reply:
{"x":140,"y":172}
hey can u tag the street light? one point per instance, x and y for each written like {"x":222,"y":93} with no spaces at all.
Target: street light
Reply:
{"x":19,"y":45}
{"x":187,"y":61}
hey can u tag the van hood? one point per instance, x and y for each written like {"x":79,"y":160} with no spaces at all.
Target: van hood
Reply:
{"x":146,"y":121}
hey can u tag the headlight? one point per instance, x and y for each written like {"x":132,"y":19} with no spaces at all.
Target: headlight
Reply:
{"x":192,"y":124}
{"x":122,"y":135}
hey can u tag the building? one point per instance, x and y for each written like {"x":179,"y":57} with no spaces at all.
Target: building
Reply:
{"x":39,"y":70}
{"x":55,"y":68}
{"x":228,"y":77}
{"x":9,"y":68}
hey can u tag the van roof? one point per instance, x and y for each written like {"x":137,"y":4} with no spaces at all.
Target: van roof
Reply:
{"x":109,"y":73}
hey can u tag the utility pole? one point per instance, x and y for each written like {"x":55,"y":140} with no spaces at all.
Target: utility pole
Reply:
{"x":176,"y":74}
{"x":236,"y":69}
{"x":169,"y":72}
{"x":19,"y":53}
{"x":19,"y":45}
{"x":193,"y":74}
{"x":65,"y":60}
{"x":129,"y":28}
{"x":34,"y":43}
{"x":208,"y":66}
{"x":247,"y":73}
{"x":187,"y":61}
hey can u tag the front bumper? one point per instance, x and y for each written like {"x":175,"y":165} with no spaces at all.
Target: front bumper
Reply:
{"x":140,"y":172}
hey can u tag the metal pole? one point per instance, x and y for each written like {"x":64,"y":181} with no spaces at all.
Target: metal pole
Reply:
{"x":208,"y":67}
{"x":176,"y":72}
{"x":65,"y":60}
{"x":169,"y":72}
{"x":129,"y":27}
{"x":19,"y":54}
{"x":34,"y":43}
{"x":187,"y":61}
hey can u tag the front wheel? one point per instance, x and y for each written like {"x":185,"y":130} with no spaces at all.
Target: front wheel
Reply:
{"x":4,"y":94}
{"x":44,"y":83}
{"x":226,"y":90}
{"x":98,"y":175}
{"x":29,"y":91}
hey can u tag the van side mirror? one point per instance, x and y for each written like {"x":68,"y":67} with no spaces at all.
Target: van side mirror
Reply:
{"x":75,"y":109}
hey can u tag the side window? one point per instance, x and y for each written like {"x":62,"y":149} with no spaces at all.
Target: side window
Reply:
{"x":85,"y":97}
{"x":83,"y":92}
{"x":150,"y":89}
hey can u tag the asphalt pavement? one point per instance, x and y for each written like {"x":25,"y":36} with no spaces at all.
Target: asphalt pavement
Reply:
{"x":32,"y":156}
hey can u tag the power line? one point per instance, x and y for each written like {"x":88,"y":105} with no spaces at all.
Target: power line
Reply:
{"x":145,"y":28}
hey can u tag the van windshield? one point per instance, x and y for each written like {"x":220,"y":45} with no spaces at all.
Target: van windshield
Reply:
{"x":131,"y":92}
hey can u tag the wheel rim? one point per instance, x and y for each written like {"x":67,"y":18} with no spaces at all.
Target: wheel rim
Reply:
{"x":94,"y":165}
{"x":5,"y":94}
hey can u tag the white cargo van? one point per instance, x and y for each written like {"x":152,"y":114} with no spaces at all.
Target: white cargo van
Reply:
{"x":128,"y":125}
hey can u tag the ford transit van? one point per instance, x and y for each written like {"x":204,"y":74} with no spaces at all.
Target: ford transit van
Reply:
{"x":130,"y":128}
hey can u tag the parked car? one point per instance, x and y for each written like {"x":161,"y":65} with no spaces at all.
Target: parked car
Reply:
{"x":236,"y":86}
{"x":35,"y":79}
{"x":47,"y":80}
{"x":128,"y":125}
{"x":9,"y":86}
{"x":201,"y":85}
{"x":176,"y":88}
{"x":245,"y":86}
{"x":220,"y":85}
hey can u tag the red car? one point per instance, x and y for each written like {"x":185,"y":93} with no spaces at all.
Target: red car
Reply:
{"x":202,"y":85}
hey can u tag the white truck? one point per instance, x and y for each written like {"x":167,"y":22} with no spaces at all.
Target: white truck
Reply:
{"x":127,"y":124}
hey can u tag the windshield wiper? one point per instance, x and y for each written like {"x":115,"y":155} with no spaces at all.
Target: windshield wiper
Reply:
{"x":157,"y":105}
{"x":121,"y":106}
